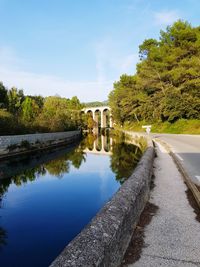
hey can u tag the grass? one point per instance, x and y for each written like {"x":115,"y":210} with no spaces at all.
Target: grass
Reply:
{"x":181,"y":126}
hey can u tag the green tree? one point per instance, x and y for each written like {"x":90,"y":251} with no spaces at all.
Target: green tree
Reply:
{"x":15,"y":98}
{"x":91,"y":123}
{"x":60,"y":114}
{"x":39,"y":100}
{"x":3,"y":96}
{"x":126,"y":99}
{"x":166,"y":86}
{"x":29,"y":109}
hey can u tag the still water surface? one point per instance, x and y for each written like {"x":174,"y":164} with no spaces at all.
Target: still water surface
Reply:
{"x":47,"y":198}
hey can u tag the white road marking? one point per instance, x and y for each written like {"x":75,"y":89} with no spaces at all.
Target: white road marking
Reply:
{"x":179,"y":157}
{"x":198,"y":177}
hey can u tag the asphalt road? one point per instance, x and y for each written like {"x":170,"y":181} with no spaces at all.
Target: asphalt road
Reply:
{"x":187,"y":149}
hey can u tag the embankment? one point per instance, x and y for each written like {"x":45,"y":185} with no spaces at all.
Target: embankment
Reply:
{"x":19,"y":144}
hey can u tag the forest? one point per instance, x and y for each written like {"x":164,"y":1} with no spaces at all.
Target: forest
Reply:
{"x":22,"y":114}
{"x":166,"y":86}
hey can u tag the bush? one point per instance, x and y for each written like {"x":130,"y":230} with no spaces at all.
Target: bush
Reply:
{"x":25,"y":144}
{"x":181,"y":126}
{"x":9,"y":124}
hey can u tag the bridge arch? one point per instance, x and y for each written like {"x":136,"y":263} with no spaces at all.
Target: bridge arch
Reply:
{"x":102,"y":111}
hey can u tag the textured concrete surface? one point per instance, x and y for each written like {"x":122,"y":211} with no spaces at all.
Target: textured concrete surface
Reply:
{"x":172,"y":238}
{"x":104,"y":241}
{"x":44,"y":139}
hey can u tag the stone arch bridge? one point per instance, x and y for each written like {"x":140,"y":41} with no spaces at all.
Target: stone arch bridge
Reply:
{"x":103,"y":111}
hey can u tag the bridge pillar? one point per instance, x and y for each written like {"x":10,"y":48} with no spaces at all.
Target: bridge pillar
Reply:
{"x":111,"y":121}
{"x":93,"y":115}
{"x":103,"y":119}
{"x":96,"y":119}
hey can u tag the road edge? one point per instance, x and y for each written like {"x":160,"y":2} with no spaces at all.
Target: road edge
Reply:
{"x":184,"y":173}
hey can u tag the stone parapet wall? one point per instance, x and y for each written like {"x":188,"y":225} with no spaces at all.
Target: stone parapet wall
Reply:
{"x":104,"y":240}
{"x":35,"y":140}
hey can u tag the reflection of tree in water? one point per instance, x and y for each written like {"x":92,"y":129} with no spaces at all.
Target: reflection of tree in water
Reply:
{"x":18,"y":180}
{"x":3,"y":236}
{"x":77,"y":157}
{"x":57,"y":167}
{"x":124,"y":158}
{"x":89,"y":141}
{"x":3,"y":188}
{"x":28,"y":175}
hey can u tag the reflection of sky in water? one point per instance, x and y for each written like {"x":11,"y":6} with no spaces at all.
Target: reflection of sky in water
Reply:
{"x":99,"y":165}
{"x":60,"y":194}
{"x":43,"y":215}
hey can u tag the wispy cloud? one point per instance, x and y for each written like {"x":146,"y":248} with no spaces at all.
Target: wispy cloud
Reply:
{"x":166,"y":17}
{"x":128,"y":63}
{"x":42,"y":84}
{"x":9,"y":58}
{"x":13,"y":73}
{"x":112,"y":59}
{"x":101,"y":53}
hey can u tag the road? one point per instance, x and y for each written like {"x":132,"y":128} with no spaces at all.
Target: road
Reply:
{"x":187,"y":149}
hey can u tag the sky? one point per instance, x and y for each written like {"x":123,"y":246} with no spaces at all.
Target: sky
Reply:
{"x":80,"y":47}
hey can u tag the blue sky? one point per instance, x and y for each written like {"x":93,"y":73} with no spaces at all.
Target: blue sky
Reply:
{"x":79,"y":47}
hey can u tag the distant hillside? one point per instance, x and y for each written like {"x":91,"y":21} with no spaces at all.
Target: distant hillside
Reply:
{"x":95,"y":104}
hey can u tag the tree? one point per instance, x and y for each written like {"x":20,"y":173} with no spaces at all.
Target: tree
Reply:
{"x":39,"y":100}
{"x":29,"y":109}
{"x":125,"y":99}
{"x":91,"y":123}
{"x":60,"y":114}
{"x":166,"y":86}
{"x":3,"y":96}
{"x":15,"y":98}
{"x":146,"y":47}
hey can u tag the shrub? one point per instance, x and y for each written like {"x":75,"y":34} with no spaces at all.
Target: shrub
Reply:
{"x":25,"y":144}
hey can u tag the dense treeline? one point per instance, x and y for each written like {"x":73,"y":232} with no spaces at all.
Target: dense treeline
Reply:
{"x":96,"y":104}
{"x":166,"y":86}
{"x":21,"y":113}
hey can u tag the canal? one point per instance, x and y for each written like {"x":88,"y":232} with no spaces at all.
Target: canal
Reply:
{"x":47,"y":198}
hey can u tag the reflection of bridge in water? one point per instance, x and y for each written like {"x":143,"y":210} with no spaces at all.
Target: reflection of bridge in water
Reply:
{"x":102,"y":146}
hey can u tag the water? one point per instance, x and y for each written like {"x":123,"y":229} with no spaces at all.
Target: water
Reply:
{"x":47,"y":198}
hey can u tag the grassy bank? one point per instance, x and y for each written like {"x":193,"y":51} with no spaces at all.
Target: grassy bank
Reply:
{"x":179,"y":127}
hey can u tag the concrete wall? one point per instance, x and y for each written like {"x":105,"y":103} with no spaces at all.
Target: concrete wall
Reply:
{"x":105,"y":239}
{"x":35,"y":140}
